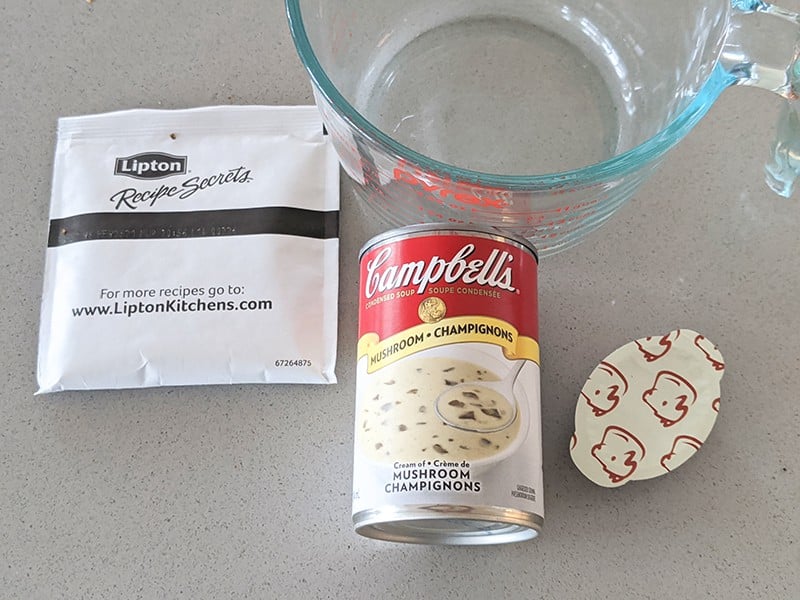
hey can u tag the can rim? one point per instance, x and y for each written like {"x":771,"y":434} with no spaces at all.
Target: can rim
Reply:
{"x":444,"y":228}
{"x":417,"y":524}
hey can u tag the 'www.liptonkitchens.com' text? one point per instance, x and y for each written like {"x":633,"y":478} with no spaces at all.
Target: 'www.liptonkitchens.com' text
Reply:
{"x":130,"y":309}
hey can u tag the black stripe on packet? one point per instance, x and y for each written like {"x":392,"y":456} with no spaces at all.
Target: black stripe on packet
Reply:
{"x":211,"y":223}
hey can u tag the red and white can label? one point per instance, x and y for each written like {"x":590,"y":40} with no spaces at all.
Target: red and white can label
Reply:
{"x":448,"y":407}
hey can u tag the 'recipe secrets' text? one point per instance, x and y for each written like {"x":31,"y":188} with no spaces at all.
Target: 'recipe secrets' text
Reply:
{"x":133,"y":198}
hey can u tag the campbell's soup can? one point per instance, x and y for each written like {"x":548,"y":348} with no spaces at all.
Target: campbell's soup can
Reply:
{"x":447,"y":422}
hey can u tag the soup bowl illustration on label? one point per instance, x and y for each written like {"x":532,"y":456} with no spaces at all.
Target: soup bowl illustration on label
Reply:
{"x":398,"y":420}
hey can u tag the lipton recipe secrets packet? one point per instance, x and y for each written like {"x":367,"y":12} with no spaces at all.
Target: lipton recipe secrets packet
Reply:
{"x":191,"y":247}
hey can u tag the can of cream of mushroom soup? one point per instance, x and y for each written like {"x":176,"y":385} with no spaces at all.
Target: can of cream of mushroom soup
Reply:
{"x":447,"y":420}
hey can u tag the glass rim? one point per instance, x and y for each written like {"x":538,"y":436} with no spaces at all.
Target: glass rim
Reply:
{"x":612,"y":167}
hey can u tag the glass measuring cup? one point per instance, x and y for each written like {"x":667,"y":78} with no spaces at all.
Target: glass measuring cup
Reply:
{"x":539,"y":116}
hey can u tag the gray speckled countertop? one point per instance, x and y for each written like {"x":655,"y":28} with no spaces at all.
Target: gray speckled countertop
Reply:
{"x":216,"y":492}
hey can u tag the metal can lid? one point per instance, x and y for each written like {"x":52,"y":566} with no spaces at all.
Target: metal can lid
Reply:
{"x":647,"y":408}
{"x":409,"y":231}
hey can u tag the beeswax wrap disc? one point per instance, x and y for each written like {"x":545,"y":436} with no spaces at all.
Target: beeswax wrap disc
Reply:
{"x":647,"y":408}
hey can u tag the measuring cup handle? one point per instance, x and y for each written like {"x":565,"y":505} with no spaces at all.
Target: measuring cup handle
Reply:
{"x":783,"y":167}
{"x":763,"y":46}
{"x":762,"y":49}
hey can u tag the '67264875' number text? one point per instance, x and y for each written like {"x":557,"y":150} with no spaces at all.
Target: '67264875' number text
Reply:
{"x":294,"y":362}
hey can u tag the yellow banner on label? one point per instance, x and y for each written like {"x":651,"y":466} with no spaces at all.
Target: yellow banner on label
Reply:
{"x":488,"y":330}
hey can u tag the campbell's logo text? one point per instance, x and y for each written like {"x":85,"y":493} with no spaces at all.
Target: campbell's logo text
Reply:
{"x":493,"y":271}
{"x":150,"y":165}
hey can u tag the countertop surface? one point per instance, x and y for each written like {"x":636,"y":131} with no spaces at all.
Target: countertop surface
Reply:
{"x":223,"y":492}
